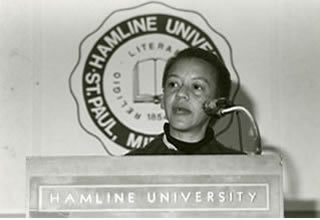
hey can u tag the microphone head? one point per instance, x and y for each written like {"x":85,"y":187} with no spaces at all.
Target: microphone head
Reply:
{"x":214,"y":107}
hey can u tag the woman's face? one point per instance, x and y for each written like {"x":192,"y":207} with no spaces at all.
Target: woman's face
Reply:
{"x":190,"y":82}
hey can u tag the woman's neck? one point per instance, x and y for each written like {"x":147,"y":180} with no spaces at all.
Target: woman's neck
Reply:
{"x":188,"y":136}
{"x":188,"y":146}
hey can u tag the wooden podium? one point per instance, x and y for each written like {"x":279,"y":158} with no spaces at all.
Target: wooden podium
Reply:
{"x":155,"y":186}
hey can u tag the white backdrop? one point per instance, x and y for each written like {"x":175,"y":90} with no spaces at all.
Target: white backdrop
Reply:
{"x":276,"y":52}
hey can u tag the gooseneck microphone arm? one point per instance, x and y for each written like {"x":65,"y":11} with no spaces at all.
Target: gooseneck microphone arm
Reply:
{"x":221,"y":106}
{"x":224,"y":111}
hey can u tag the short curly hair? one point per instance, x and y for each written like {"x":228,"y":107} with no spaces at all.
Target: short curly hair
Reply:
{"x":223,"y":75}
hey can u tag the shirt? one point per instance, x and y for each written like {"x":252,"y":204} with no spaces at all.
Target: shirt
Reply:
{"x":165,"y":144}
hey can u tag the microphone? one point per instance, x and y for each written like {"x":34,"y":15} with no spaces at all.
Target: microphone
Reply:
{"x":221,"y":106}
{"x":214,"y":108}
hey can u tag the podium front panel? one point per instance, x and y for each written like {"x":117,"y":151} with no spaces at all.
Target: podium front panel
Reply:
{"x":155,"y":186}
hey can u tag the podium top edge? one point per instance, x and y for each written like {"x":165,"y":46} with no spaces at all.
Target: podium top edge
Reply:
{"x":158,"y":165}
{"x":224,"y":156}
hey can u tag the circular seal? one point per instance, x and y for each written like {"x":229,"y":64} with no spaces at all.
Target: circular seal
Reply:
{"x":123,"y":72}
{"x":118,"y":85}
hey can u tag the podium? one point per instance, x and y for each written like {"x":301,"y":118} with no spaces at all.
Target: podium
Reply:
{"x":155,"y":186}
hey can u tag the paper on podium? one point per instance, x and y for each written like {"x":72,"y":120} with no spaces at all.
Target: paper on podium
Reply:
{"x":155,"y":186}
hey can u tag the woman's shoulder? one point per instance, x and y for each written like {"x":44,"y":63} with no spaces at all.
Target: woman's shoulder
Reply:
{"x":215,"y":147}
{"x":153,"y":147}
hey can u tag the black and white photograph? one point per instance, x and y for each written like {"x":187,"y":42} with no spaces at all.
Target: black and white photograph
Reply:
{"x":159,"y":109}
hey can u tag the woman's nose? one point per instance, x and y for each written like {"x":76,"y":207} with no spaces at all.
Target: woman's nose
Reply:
{"x":183,"y":92}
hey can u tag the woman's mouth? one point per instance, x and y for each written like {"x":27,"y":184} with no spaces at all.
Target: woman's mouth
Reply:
{"x":181,"y":110}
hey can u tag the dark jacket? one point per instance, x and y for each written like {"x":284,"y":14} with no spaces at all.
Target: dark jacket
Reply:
{"x":159,"y":146}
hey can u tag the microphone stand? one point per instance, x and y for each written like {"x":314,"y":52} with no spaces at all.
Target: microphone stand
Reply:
{"x":258,"y":149}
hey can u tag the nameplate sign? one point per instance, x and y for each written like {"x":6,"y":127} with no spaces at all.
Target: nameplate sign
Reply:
{"x":146,"y":194}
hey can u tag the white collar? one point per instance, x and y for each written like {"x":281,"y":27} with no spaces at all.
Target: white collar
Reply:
{"x":167,"y":143}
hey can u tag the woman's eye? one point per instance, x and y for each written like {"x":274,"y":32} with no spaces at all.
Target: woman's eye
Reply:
{"x":172,"y":84}
{"x":198,"y":87}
